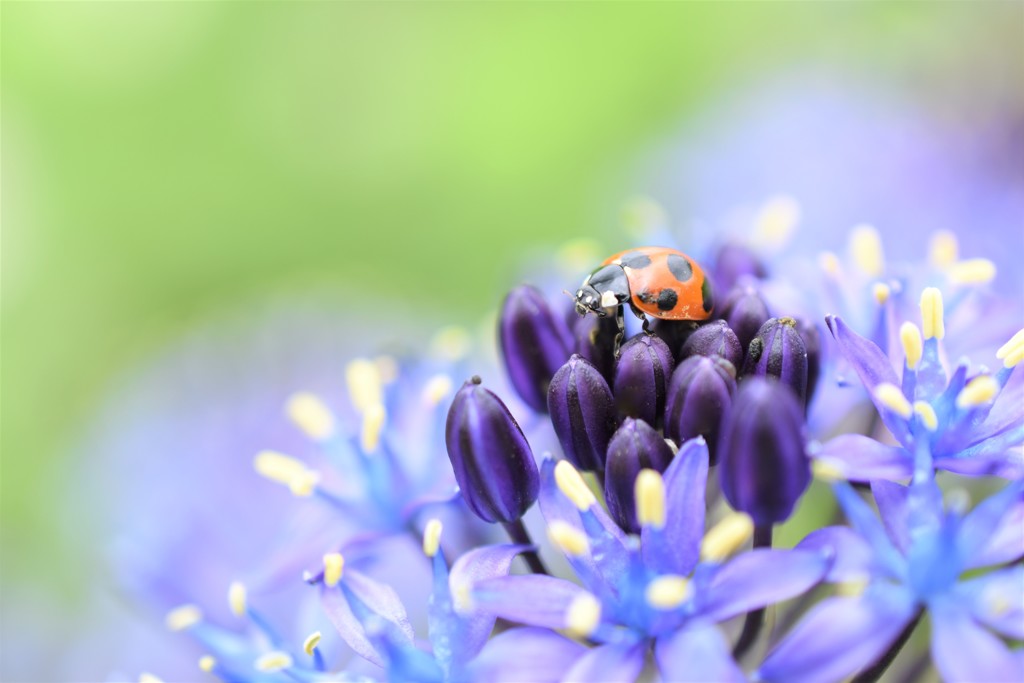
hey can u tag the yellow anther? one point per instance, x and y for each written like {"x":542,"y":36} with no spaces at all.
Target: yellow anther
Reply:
{"x":432,"y":537}
{"x":183,"y":617}
{"x":1012,"y":352}
{"x":932,"y":321}
{"x":570,"y":540}
{"x":286,"y":470}
{"x":310,"y":415}
{"x":975,"y":271}
{"x":727,"y":537}
{"x":237,"y":598}
{"x":571,"y":484}
{"x":373,"y":424}
{"x":943,"y":249}
{"x":642,"y":215}
{"x":387,"y":369}
{"x":913,"y":347}
{"x":436,"y":389}
{"x":149,"y":678}
{"x":827,"y":470}
{"x":926,"y":414}
{"x":451,"y":344}
{"x":649,"y":493}
{"x":1014,"y":358}
{"x":890,"y":396}
{"x":882,"y":292}
{"x":776,"y":222}
{"x":866,"y":249}
{"x":312,"y":640}
{"x":207,"y":662}
{"x":273,"y":661}
{"x":829,"y":264}
{"x":334,"y":563}
{"x":583,"y":616}
{"x":365,"y":386}
{"x":853,"y":586}
{"x":667,"y":592}
{"x":979,"y":391}
{"x":999,"y":606}
{"x":462,"y":598}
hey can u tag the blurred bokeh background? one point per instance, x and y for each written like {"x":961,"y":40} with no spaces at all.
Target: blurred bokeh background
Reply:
{"x":166,"y":165}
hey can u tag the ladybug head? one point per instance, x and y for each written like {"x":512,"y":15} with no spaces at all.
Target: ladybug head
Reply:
{"x":588,"y":300}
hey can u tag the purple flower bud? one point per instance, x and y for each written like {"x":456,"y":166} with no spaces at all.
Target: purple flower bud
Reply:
{"x":534,"y":343}
{"x":778,"y":351}
{"x":745,"y":311}
{"x":595,"y":341}
{"x":715,"y":339}
{"x":812,"y":342}
{"x":635,"y":446}
{"x":762,"y":462}
{"x":641,"y":378}
{"x":733,"y":263}
{"x":492,"y":460}
{"x":674,"y":333}
{"x":582,"y":412}
{"x":700,"y":392}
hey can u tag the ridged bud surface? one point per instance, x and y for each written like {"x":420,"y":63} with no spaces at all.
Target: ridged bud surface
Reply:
{"x":635,"y":446}
{"x":762,"y":460}
{"x":582,"y":412}
{"x":745,"y":311}
{"x":778,"y":351}
{"x":594,"y":340}
{"x":534,"y":344}
{"x":734,"y":262}
{"x":812,"y":342}
{"x":699,"y":394}
{"x":715,"y":339}
{"x":641,"y":378}
{"x":492,"y":460}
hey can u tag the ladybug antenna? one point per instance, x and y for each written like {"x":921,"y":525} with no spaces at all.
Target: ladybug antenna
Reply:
{"x":568,"y":293}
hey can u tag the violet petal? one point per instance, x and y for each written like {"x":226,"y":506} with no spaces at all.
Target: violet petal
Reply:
{"x":697,"y":653}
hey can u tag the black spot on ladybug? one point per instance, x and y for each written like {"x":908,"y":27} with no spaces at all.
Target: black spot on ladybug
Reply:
{"x":679,"y":267}
{"x":645,"y":297}
{"x":705,"y":293}
{"x":635,"y":260}
{"x":667,"y":299}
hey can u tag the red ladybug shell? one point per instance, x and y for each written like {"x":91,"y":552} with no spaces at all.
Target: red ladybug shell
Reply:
{"x":666,"y":283}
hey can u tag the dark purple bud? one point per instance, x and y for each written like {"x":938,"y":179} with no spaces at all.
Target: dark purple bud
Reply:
{"x":715,"y":339}
{"x":733,"y":263}
{"x":492,"y":460}
{"x":674,"y":333}
{"x":745,"y":311}
{"x":699,"y":394}
{"x":595,"y":341}
{"x":634,"y":447}
{"x":762,"y":462}
{"x":812,"y":342}
{"x":778,"y":351}
{"x":641,"y":378}
{"x":582,"y":412}
{"x":534,"y":343}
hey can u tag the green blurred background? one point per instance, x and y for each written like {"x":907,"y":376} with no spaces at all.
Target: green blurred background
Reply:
{"x":163,"y":162}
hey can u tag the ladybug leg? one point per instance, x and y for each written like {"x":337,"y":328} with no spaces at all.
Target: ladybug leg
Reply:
{"x":620,"y":321}
{"x":645,"y":323}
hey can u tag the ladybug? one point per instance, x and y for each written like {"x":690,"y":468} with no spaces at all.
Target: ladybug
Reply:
{"x":657,"y":281}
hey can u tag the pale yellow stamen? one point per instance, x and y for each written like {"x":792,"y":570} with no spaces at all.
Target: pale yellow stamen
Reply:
{"x":882,"y":292}
{"x":926,"y":414}
{"x":853,"y":587}
{"x":570,"y":540}
{"x":286,"y":470}
{"x":373,"y":424}
{"x":649,"y":493}
{"x":932,"y":321}
{"x":149,"y":678}
{"x":451,"y":344}
{"x":667,"y":592}
{"x":273,"y":661}
{"x":827,"y":470}
{"x":206,"y":663}
{"x":311,"y":642}
{"x":979,"y":391}
{"x":436,"y":389}
{"x":462,"y":598}
{"x":829,"y":264}
{"x":1014,"y":358}
{"x":776,"y":222}
{"x":237,"y":598}
{"x":334,"y":563}
{"x":975,"y":271}
{"x":387,"y":369}
{"x":866,"y":249}
{"x":890,"y":396}
{"x":998,"y":606}
{"x":943,"y":249}
{"x":311,"y":415}
{"x":913,"y":347}
{"x":183,"y":617}
{"x":365,"y":387}
{"x":432,"y":537}
{"x":727,"y":537}
{"x":1012,"y":352}
{"x":583,"y":616}
{"x":571,"y":484}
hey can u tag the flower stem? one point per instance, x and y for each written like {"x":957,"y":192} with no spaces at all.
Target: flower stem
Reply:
{"x":518,"y":533}
{"x":875,"y":671}
{"x":754,"y":620}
